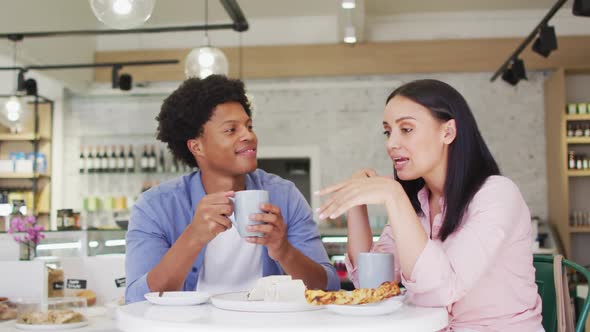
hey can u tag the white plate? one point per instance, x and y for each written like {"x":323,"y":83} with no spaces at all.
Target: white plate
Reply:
{"x":239,"y":302}
{"x":178,"y":298}
{"x":371,"y":309}
{"x":47,"y":327}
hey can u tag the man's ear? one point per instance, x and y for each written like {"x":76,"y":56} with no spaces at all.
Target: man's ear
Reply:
{"x":450,"y":132}
{"x":195,"y":146}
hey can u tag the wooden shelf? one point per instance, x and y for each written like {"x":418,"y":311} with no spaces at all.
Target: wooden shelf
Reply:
{"x":579,"y":229}
{"x":578,"y":140}
{"x":577,"y":117}
{"x":23,"y":137}
{"x":23,"y":176}
{"x":582,"y":172}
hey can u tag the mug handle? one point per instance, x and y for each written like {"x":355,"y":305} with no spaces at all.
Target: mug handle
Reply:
{"x":232,"y":217}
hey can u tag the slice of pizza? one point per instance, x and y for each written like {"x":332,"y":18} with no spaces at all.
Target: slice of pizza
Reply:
{"x":357,"y":296}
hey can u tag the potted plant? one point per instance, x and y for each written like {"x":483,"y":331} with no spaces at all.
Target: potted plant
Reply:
{"x":31,"y":235}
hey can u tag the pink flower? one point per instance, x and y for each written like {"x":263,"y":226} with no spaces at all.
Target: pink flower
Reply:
{"x":29,"y":226}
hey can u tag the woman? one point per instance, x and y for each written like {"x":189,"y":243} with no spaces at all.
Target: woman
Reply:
{"x":460,"y":233}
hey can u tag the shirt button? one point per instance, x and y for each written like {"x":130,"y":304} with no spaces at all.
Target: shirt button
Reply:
{"x":194,"y":269}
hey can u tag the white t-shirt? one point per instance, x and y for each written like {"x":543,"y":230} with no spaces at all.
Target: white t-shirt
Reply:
{"x":230,"y":264}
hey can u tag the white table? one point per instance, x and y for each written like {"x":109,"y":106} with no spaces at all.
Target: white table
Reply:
{"x":146,"y":317}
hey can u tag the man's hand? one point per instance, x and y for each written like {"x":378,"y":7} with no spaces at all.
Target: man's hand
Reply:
{"x":211,"y":216}
{"x":274,"y":230}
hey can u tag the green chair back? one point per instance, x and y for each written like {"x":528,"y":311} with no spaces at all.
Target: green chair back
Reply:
{"x":546,"y":287}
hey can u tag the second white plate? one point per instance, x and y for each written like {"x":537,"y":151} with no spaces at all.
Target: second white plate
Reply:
{"x":372,"y":309}
{"x":178,"y":298}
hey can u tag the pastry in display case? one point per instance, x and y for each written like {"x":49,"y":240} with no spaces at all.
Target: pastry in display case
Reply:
{"x":89,"y":295}
{"x":57,"y":313}
{"x":7,"y":309}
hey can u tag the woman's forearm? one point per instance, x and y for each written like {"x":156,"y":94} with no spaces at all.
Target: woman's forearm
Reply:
{"x":409,"y":235}
{"x":360,"y":236}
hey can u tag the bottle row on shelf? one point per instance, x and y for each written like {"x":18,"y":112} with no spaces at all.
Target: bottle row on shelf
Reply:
{"x":578,"y":108}
{"x":577,"y":161}
{"x":578,"y":130}
{"x":117,"y":159}
{"x":580,"y":219}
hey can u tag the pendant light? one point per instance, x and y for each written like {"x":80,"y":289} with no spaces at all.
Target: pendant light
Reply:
{"x":122,"y":14}
{"x":13,"y":105}
{"x":205,"y":60}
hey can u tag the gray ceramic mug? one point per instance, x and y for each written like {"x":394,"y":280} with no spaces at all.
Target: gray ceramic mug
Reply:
{"x":246,"y":203}
{"x":374,"y":268}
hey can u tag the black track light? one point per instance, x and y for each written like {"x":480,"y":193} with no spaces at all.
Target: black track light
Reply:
{"x":546,"y":42}
{"x":515,"y":72}
{"x":123,"y":81}
{"x":581,"y":8}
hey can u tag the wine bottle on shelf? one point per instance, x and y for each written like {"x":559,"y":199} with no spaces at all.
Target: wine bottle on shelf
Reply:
{"x":578,"y":132}
{"x":113,"y":160}
{"x":144,"y":161}
{"x":121,"y":160}
{"x":89,"y":161}
{"x":130,"y":162}
{"x":152,"y":160}
{"x":98,"y":161}
{"x":105,"y":160}
{"x":82,"y":161}
{"x":161,"y":162}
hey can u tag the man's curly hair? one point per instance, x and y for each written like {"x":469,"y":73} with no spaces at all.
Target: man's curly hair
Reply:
{"x":185,"y":112}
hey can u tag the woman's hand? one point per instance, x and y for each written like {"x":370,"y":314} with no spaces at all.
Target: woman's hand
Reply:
{"x":364,"y":173}
{"x":358,"y":190}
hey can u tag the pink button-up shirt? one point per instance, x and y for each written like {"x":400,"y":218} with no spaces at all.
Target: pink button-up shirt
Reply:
{"x":483,"y":272}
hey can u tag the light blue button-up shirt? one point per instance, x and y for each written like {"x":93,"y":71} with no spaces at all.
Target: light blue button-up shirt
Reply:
{"x":162,"y":213}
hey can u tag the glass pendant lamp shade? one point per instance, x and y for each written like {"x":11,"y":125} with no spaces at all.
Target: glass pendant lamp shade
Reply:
{"x":13,"y":108}
{"x":204,"y":61}
{"x":122,"y":14}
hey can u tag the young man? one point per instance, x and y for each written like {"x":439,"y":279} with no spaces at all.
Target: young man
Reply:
{"x":180,"y":237}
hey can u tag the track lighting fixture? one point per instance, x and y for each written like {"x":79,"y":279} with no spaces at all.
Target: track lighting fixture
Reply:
{"x":546,"y":41}
{"x":515,"y":72}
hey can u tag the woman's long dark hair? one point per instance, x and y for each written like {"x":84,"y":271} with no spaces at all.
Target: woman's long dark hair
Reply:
{"x":470,"y":162}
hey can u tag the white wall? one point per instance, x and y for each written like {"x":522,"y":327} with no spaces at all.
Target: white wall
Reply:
{"x":341,"y":116}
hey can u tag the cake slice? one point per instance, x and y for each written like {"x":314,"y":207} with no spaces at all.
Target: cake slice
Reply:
{"x":286,"y":291}
{"x":278,"y":289}
{"x":257,"y":294}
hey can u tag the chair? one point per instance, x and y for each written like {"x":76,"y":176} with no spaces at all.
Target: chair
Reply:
{"x":545,"y":280}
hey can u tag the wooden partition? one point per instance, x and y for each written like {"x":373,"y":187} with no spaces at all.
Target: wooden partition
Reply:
{"x":431,"y":56}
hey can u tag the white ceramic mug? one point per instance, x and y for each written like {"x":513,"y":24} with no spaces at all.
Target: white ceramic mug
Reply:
{"x":246,"y":203}
{"x":374,"y":268}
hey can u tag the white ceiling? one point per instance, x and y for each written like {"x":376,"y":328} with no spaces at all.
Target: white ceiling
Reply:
{"x":31,"y":15}
{"x":55,"y":15}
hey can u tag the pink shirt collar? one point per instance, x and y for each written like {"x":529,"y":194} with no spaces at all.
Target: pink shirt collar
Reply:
{"x":423,"y":196}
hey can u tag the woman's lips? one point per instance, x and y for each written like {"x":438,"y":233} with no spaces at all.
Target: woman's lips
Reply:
{"x":400,"y":162}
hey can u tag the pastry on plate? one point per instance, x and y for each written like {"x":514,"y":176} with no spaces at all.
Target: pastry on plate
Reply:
{"x":357,"y":296}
